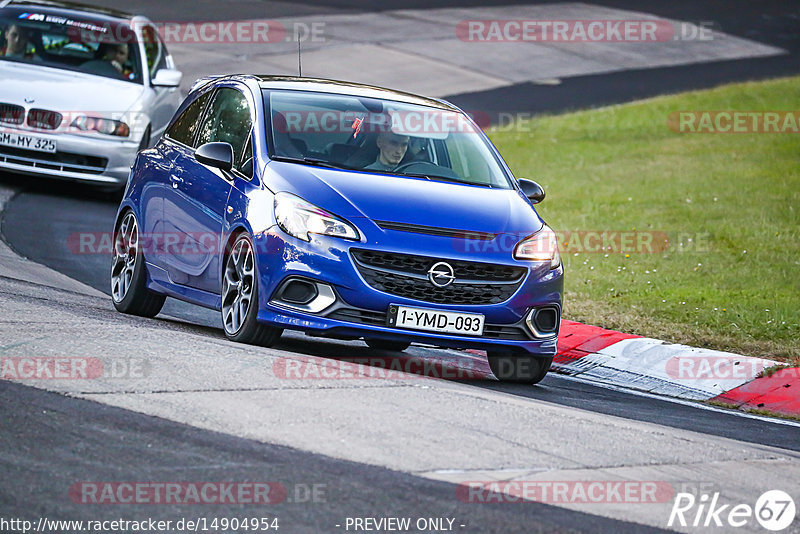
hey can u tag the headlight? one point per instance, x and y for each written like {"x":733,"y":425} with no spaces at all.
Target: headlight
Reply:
{"x":541,"y":246}
{"x":104,"y":126}
{"x":299,"y":218}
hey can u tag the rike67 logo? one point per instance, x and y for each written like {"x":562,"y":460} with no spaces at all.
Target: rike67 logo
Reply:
{"x":774,"y":510}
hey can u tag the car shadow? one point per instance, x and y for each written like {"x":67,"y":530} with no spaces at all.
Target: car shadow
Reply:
{"x":58,"y":187}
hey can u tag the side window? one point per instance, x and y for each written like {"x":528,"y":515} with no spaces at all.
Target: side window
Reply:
{"x":228,"y":121}
{"x":154,"y":50}
{"x":184,"y":128}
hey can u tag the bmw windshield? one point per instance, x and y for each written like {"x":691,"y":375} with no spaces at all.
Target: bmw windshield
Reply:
{"x":381,"y":136}
{"x":104,"y":49}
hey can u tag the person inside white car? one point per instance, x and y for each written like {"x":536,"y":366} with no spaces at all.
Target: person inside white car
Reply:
{"x":17,"y":44}
{"x":112,"y":61}
{"x":118,"y":55}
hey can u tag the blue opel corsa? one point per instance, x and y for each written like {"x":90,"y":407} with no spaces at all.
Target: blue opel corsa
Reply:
{"x":340,"y":210}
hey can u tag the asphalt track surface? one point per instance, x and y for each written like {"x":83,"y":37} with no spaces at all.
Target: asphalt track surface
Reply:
{"x":39,"y":222}
{"x":49,"y":441}
{"x":769,"y":22}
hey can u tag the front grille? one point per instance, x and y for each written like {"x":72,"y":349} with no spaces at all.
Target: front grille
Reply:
{"x":11,"y":113}
{"x":406,"y":276}
{"x":492,"y":331}
{"x":420,"y":265}
{"x":44,"y":119}
{"x":60,"y":161}
{"x":432,"y":230}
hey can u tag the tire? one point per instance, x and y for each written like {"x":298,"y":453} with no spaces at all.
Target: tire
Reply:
{"x":240,"y":297}
{"x":391,"y":346}
{"x":128,"y":272}
{"x":520,"y":369}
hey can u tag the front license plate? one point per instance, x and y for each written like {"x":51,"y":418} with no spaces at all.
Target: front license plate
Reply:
{"x":27,"y":142}
{"x":470,"y":324}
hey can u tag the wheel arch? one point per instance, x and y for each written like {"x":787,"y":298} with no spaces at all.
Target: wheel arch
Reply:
{"x":234,"y":233}
{"x":124,"y":208}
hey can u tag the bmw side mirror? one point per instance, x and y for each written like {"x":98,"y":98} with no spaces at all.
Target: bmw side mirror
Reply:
{"x":167,"y":78}
{"x":532,"y":190}
{"x":217,"y":155}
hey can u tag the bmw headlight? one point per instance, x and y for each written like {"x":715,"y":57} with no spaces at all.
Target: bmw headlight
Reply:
{"x":104,"y":126}
{"x":541,"y":246}
{"x":299,"y":218}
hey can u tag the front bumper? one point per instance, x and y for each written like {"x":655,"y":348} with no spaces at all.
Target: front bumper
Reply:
{"x":92,"y":159}
{"x":360,"y":310}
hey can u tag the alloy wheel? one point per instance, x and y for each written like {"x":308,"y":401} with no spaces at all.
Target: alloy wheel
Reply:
{"x":126,"y":250}
{"x":237,"y":285}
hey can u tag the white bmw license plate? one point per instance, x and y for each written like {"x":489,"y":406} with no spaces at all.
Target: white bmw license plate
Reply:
{"x":27,"y":142}
{"x":470,"y":324}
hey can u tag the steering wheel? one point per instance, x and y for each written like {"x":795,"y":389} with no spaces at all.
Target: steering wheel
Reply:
{"x":426,"y":167}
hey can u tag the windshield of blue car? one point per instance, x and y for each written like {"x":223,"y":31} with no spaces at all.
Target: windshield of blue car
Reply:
{"x":105,"y":49}
{"x":381,"y":136}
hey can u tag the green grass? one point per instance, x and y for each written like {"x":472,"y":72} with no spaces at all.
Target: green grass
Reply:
{"x":738,"y":195}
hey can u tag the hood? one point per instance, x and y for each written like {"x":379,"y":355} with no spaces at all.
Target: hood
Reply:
{"x":406,"y":200}
{"x":65,"y":91}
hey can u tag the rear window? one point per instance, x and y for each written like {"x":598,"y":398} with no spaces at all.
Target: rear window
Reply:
{"x":106,"y":49}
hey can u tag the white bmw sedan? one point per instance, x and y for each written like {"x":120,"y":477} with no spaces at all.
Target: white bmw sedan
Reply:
{"x":82,"y":90}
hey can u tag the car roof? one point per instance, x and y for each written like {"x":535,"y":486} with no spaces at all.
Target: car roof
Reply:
{"x":93,"y":13}
{"x":323,"y":85}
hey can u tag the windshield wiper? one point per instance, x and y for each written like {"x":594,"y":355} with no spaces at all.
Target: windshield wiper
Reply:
{"x":436,"y":177}
{"x":311,"y":161}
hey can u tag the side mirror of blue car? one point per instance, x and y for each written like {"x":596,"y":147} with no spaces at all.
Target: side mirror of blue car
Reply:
{"x":218,"y":155}
{"x":532,"y":190}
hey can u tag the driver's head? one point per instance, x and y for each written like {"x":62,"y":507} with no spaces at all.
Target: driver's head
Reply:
{"x":392,"y":147}
{"x":121,"y":53}
{"x":117,"y":54}
{"x":16,"y":40}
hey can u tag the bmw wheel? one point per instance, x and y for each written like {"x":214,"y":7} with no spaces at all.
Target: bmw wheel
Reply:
{"x":240,"y":297}
{"x":128,"y":275}
{"x":520,"y":368}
